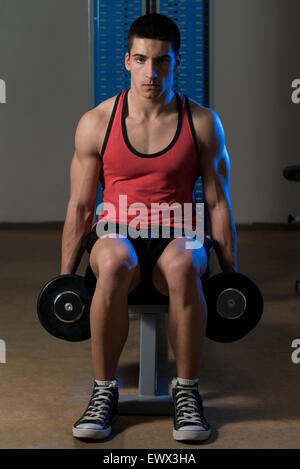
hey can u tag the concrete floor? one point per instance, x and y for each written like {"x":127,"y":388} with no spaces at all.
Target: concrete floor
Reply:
{"x":250,"y":388}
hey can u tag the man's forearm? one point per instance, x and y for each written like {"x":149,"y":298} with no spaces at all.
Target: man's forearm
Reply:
{"x":223,"y":232}
{"x":77,"y":225}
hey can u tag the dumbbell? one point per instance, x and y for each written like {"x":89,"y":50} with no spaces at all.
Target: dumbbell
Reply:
{"x":234,"y":303}
{"x":63,"y":307}
{"x":235,"y":306}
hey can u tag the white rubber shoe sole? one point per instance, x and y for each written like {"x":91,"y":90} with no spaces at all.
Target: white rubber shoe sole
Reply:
{"x":86,"y":430}
{"x":200,"y":435}
{"x":93,"y":433}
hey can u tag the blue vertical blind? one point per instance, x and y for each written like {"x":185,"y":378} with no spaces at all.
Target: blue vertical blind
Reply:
{"x":192,"y":19}
{"x":112,"y":20}
{"x":192,"y":78}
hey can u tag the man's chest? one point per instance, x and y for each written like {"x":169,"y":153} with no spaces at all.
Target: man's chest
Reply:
{"x":151,"y":138}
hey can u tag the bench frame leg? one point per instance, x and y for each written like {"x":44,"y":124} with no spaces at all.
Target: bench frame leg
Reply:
{"x":148,"y":401}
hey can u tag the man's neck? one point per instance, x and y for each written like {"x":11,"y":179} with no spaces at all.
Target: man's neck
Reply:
{"x":150,"y":109}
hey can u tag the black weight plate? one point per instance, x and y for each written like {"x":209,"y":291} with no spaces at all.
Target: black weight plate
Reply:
{"x":222,"y":329}
{"x":72,"y":331}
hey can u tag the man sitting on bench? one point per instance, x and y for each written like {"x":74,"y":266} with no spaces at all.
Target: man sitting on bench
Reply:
{"x":149,"y":145}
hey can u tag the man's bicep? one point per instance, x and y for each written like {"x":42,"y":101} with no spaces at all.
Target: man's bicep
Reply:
{"x":214,"y":164}
{"x":85,"y":166}
{"x":84,"y":176}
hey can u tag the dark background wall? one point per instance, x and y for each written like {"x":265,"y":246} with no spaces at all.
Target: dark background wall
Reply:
{"x":255,"y":61}
{"x":44,"y":62}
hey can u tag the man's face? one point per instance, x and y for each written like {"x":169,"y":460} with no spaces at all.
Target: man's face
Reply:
{"x":151,"y":61}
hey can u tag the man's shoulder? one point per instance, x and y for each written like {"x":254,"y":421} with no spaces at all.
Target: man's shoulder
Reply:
{"x":206,"y":121}
{"x":105,"y":107}
{"x":101,"y":112}
{"x":200,"y":112}
{"x":93,"y":123}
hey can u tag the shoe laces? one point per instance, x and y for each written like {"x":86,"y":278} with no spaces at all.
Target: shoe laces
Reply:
{"x":99,"y":405}
{"x":188,"y":407}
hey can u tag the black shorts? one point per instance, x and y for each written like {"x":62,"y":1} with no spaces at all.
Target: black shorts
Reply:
{"x":148,"y":250}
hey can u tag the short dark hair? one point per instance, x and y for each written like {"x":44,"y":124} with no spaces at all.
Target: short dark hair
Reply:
{"x":155,"y":26}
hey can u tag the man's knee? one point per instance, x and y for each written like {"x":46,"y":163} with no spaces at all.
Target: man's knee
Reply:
{"x":185,"y":266}
{"x":117,"y":266}
{"x":112,"y":260}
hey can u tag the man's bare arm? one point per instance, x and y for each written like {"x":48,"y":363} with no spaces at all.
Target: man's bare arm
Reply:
{"x":84,"y":176}
{"x":214,"y":166}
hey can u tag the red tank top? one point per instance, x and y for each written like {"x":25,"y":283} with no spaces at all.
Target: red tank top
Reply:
{"x":166,"y":178}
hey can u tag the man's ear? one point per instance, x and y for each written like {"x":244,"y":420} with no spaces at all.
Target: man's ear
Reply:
{"x":126,"y":60}
{"x":177,"y":63}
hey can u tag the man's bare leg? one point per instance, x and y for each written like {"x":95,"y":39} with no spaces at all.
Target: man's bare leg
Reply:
{"x":186,"y":326}
{"x":178,"y":275}
{"x":109,"y":317}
